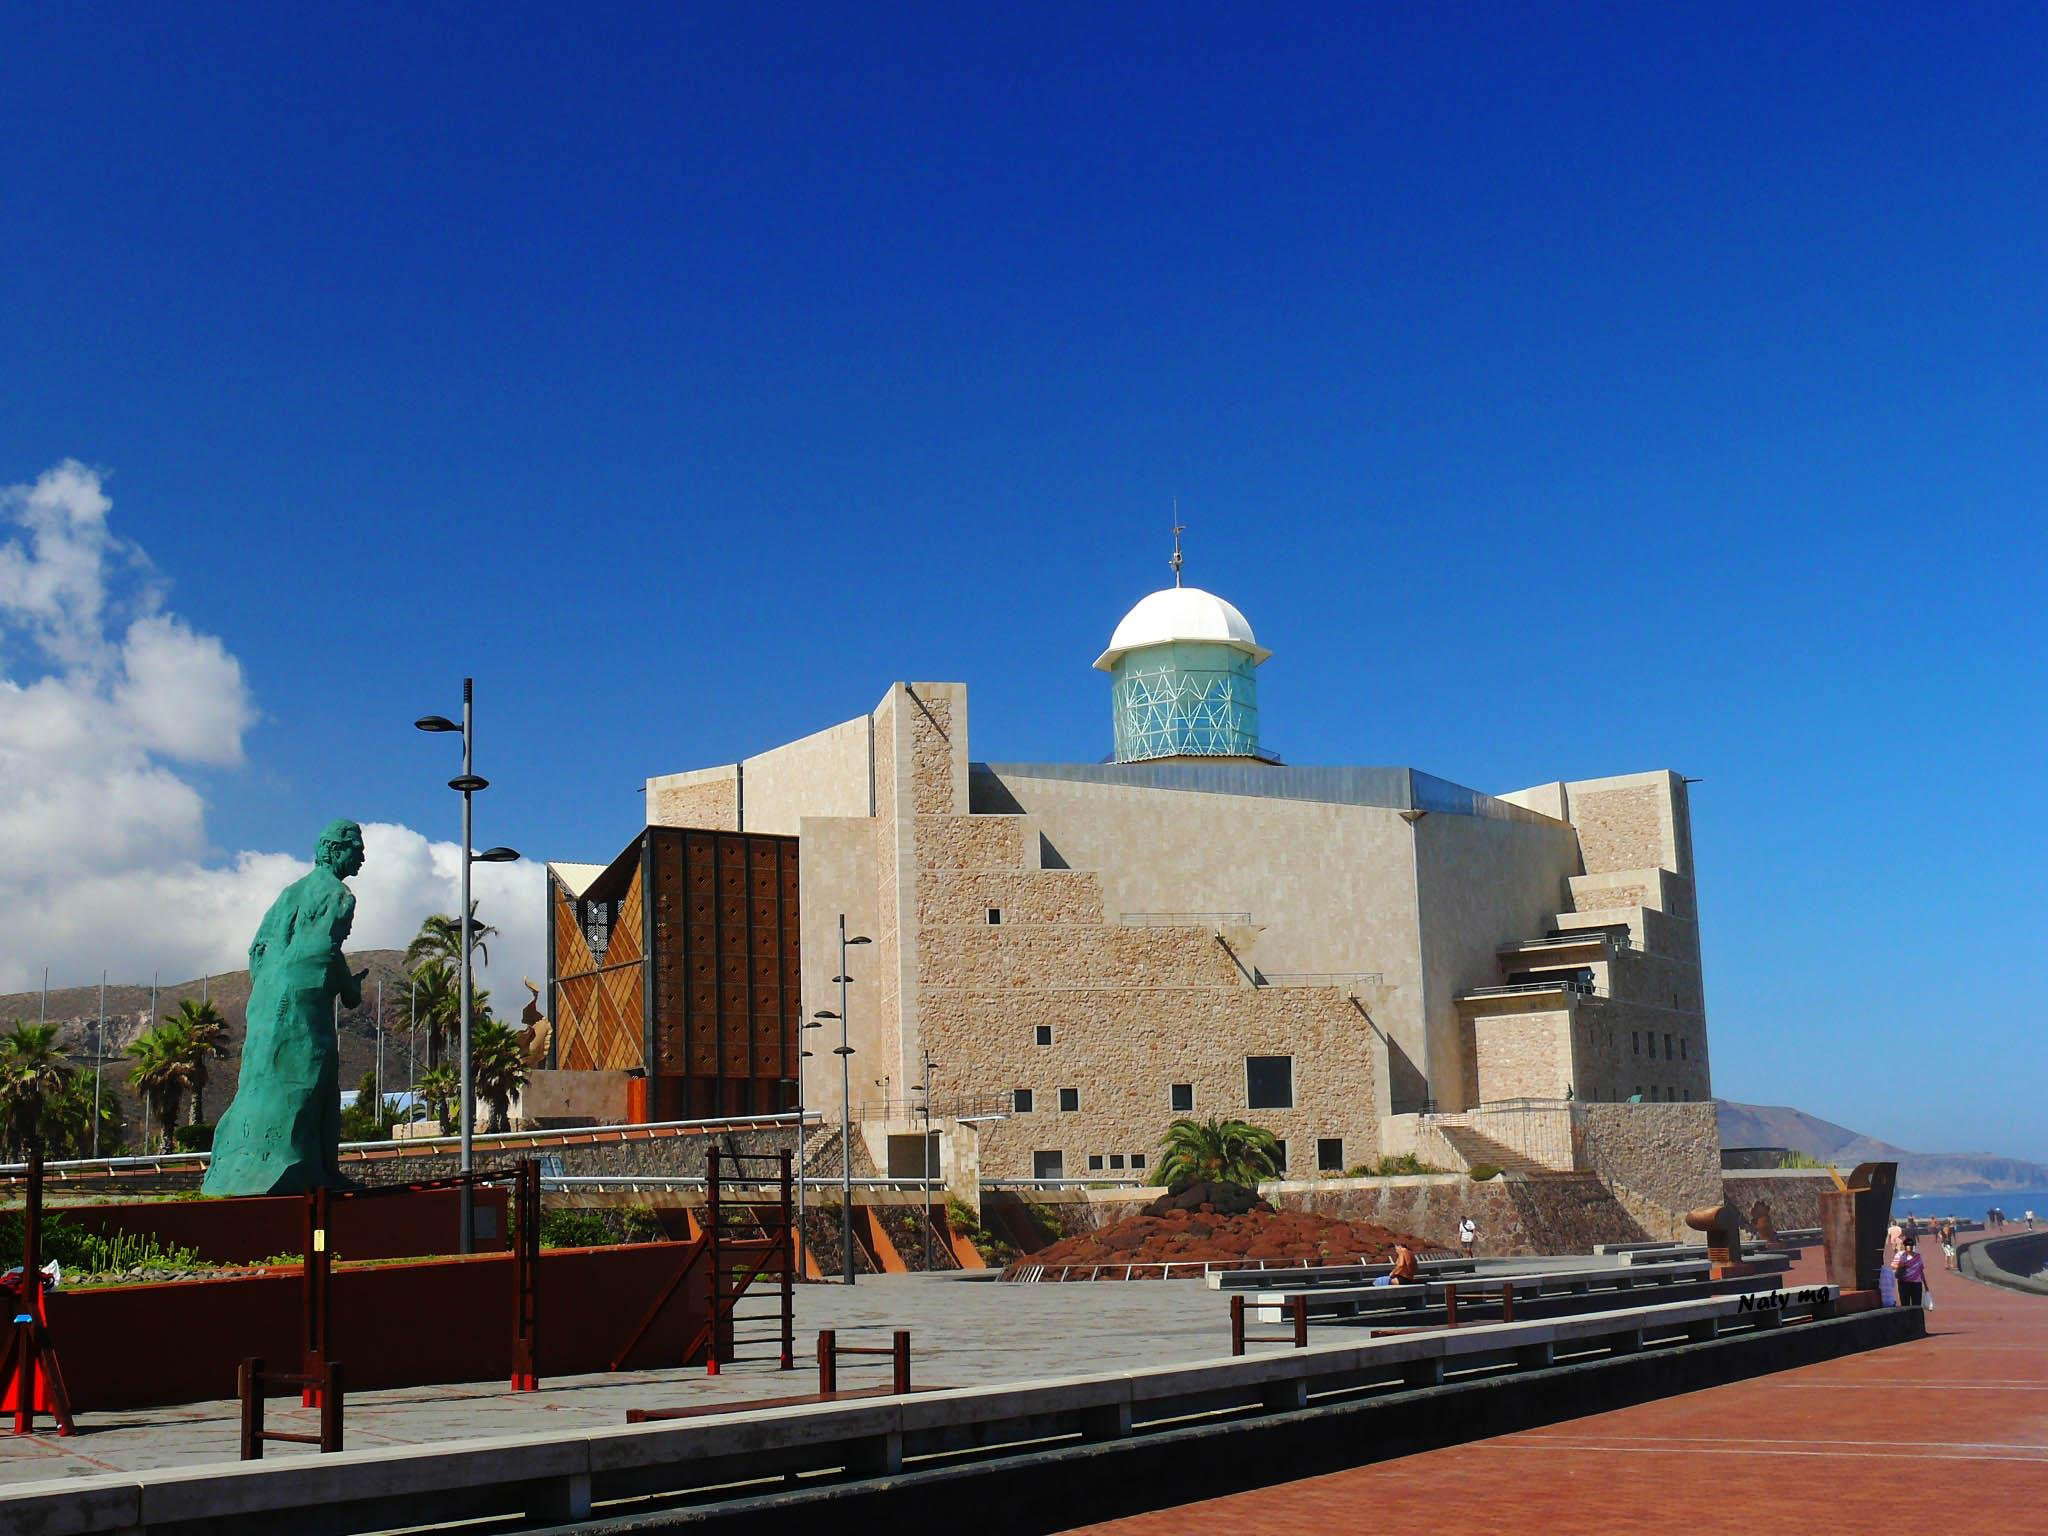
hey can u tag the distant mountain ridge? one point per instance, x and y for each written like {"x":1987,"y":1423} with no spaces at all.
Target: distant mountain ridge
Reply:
{"x":76,"y":1011}
{"x":1776,"y":1125}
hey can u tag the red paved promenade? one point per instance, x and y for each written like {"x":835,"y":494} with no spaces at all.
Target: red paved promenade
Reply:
{"x":1948,"y":1433}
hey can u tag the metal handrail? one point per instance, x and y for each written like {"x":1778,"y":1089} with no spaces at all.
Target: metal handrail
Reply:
{"x":1184,"y":919}
{"x":636,"y":1131}
{"x":1123,"y":1183}
{"x":1320,"y":978}
{"x":958,"y":1106}
{"x":1579,"y":988}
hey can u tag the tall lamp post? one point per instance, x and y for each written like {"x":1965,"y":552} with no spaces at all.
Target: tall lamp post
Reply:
{"x":844,"y":1051}
{"x":929,"y":1065}
{"x":467,"y":784}
{"x":802,"y":1056}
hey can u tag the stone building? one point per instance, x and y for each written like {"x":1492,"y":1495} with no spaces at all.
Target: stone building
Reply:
{"x":1087,"y":951}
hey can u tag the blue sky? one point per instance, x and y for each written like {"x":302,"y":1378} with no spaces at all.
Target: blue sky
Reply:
{"x":1560,"y":391}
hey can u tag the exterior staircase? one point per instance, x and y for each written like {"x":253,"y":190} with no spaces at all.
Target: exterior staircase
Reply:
{"x":1475,"y":1147}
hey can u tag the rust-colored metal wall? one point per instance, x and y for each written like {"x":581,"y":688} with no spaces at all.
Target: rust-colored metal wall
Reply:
{"x":726,"y":988}
{"x":681,"y":960}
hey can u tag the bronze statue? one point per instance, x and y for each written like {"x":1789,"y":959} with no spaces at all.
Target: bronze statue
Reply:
{"x":280,"y":1135}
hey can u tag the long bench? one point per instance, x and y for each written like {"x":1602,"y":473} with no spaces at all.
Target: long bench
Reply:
{"x":556,"y":1476}
{"x":1327,"y":1274}
{"x":1335,"y":1301}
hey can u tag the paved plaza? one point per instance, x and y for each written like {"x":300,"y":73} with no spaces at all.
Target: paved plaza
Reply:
{"x":1951,"y":1429}
{"x":963,"y":1333}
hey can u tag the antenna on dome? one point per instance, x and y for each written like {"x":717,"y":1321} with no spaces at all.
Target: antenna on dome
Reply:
{"x":1178,"y":529}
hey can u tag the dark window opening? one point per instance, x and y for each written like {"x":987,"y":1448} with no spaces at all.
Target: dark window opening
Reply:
{"x":1043,"y":1034}
{"x":995,"y":916}
{"x":1048,"y":1165}
{"x":1116,"y":1160}
{"x":1095,"y":1162}
{"x":1181,"y":1098}
{"x":1070,"y":1099}
{"x":1329,"y":1154}
{"x":1269,"y":1082}
{"x":1020,"y":1101}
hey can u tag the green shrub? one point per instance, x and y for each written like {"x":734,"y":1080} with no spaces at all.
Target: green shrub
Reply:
{"x":574,"y":1229}
{"x":193,"y":1138}
{"x":1479,"y":1173}
{"x":88,"y":1252}
{"x":965,"y":1221}
{"x":1393,"y":1166}
{"x":1801,"y":1160}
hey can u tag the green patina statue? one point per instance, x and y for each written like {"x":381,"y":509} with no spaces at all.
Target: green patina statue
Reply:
{"x":280,"y":1135}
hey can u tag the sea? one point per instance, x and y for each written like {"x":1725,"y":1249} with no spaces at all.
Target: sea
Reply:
{"x":2014,"y":1202}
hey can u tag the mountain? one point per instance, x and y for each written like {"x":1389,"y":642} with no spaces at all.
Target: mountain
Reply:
{"x":76,"y":1012}
{"x":1771,"y":1125}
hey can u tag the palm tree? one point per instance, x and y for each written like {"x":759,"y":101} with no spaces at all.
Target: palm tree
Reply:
{"x":32,"y":1072}
{"x":437,"y":1089}
{"x":165,"y":1064}
{"x":1227,"y":1151}
{"x":209,"y":1034}
{"x":440,"y":938}
{"x":67,"y":1120}
{"x":437,"y":1003}
{"x":497,"y":1068}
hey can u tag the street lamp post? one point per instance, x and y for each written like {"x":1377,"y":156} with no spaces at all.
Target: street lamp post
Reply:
{"x":929,"y":1064}
{"x":467,"y":784}
{"x":802,"y":1056}
{"x":844,"y":1051}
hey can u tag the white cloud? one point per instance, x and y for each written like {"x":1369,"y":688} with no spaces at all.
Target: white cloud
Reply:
{"x":104,"y":858}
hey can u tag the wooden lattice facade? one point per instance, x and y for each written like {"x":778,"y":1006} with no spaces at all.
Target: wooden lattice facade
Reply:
{"x":680,"y":961}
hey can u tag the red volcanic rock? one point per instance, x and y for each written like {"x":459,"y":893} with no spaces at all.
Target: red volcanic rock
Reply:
{"x":1182,"y":1235}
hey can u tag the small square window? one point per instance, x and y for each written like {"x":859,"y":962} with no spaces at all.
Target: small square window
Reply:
{"x":1329,"y":1154}
{"x":995,"y":916}
{"x":1116,"y":1160}
{"x":1181,"y":1098}
{"x":1020,"y":1101}
{"x":1070,"y":1100}
{"x":1137,"y":1159}
{"x":1043,"y":1034}
{"x":1095,"y":1162}
{"x":1269,"y":1082}
{"x":1048,"y":1165}
{"x":1688,"y":1093}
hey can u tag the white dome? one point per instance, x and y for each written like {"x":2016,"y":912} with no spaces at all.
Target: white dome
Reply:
{"x":1182,"y":613}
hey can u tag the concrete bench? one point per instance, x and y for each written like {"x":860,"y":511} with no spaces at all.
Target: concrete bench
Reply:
{"x":1326,"y":1274}
{"x":553,"y":1476}
{"x":1336,"y":1301}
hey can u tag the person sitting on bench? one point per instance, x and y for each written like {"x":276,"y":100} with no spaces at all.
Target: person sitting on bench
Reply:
{"x":1404,"y":1270}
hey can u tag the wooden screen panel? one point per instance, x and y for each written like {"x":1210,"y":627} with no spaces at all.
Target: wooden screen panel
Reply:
{"x":598,"y":1003}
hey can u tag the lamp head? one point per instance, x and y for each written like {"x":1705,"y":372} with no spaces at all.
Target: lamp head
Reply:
{"x":435,"y":723}
{"x":824,"y":1013}
{"x":863,"y":939}
{"x":496,"y":856}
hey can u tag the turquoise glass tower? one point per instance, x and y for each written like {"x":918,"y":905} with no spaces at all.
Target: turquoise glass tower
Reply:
{"x":1183,"y":672}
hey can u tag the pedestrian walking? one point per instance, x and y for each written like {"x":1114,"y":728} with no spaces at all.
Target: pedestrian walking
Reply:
{"x":1948,"y":1245}
{"x":1911,"y":1275}
{"x":1468,"y":1235}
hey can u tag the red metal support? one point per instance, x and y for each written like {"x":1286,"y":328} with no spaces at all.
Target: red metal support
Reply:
{"x":251,"y":1382}
{"x":1237,"y":1325}
{"x":828,"y":1362}
{"x":526,"y":1278}
{"x":789,"y":1264}
{"x":29,"y":1370}
{"x":315,"y":1305}
{"x":711,"y":1234}
{"x":1450,"y":1304}
{"x":1300,"y":1309}
{"x":1507,"y":1302}
{"x":899,"y":1360}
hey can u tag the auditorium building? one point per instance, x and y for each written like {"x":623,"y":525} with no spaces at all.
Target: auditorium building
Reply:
{"x":1086,"y":951}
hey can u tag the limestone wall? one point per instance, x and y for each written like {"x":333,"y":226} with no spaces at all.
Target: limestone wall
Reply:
{"x":1794,"y":1193}
{"x":1515,"y":1216}
{"x":1665,"y":1156}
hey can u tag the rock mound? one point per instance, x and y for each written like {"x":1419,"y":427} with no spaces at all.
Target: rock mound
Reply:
{"x":1183,"y":1234}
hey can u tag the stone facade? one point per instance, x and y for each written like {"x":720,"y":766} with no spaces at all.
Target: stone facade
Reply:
{"x":1128,"y":939}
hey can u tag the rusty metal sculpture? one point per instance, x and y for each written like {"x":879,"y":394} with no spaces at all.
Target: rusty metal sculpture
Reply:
{"x":1853,"y":1219}
{"x":1723,"y":1225}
